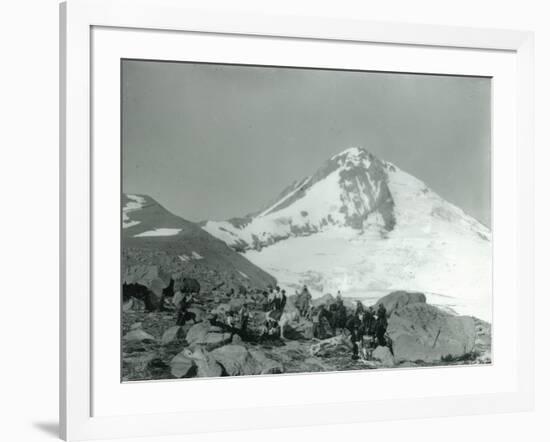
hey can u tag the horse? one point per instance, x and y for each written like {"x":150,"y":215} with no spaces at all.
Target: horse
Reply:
{"x":143,"y":293}
{"x":188,"y":285}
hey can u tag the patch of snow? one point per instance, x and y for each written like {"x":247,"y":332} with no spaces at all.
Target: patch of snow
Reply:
{"x":127,"y":223}
{"x":159,"y":232}
{"x":135,"y":202}
{"x":184,"y":258}
{"x":244,"y":274}
{"x":195,"y":255}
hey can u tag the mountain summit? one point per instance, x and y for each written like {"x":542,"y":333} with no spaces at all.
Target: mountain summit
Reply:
{"x":350,"y":190}
{"x":363,"y":226}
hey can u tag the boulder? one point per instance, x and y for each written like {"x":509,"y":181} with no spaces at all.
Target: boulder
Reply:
{"x":205,"y":334}
{"x":197,"y":333}
{"x":330,"y":346}
{"x":238,"y":361}
{"x":396,"y":300}
{"x":173,"y":334}
{"x":421,"y":332}
{"x":182,"y":365}
{"x":384,"y":356}
{"x":135,"y":326}
{"x":235,"y":359}
{"x":138,"y":335}
{"x":214,"y":340}
{"x":207,"y":366}
{"x":237,"y":340}
{"x":147,"y":275}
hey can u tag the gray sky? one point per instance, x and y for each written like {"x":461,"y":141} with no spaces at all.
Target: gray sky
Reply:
{"x":217,"y":141}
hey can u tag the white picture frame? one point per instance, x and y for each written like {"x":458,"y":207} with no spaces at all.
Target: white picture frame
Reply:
{"x":79,"y":378}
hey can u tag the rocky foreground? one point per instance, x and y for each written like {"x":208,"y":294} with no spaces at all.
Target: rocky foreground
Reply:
{"x":422,"y":335}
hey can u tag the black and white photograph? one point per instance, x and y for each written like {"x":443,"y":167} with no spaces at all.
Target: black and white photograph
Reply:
{"x":279,"y":220}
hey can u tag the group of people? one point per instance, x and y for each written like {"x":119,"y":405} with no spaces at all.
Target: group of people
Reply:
{"x":367,"y":328}
{"x":275,"y":299}
{"x":237,"y":322}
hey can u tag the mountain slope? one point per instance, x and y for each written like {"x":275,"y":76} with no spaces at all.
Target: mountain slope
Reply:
{"x":153,"y":235}
{"x":363,"y":226}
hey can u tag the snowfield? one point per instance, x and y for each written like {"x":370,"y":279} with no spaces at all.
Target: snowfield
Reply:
{"x":451,"y":272}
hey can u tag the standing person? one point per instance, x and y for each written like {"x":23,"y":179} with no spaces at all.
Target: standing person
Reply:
{"x":322,"y":327}
{"x":183,"y":315}
{"x":381,"y":325}
{"x":277,"y":298}
{"x":303,"y":302}
{"x":283,"y":300}
{"x":244,"y":316}
{"x":357,"y":331}
{"x":270,"y":299}
{"x":265,"y":300}
{"x":339,"y":314}
{"x":369,"y":321}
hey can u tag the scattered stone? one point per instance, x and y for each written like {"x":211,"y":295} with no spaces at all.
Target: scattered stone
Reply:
{"x":182,"y":365}
{"x":197,"y":333}
{"x":235,"y":359}
{"x":384,"y":356}
{"x":238,"y":361}
{"x":173,"y":334}
{"x":138,"y":335}
{"x":214,"y":340}
{"x":237,"y":340}
{"x":207,"y":366}
{"x":330,"y":346}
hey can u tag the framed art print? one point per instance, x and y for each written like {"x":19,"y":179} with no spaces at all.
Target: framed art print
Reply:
{"x":273,"y":214}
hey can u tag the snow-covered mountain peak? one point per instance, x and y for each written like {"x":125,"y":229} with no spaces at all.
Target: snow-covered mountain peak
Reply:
{"x":353,"y":190}
{"x":350,"y":190}
{"x":353,"y":157}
